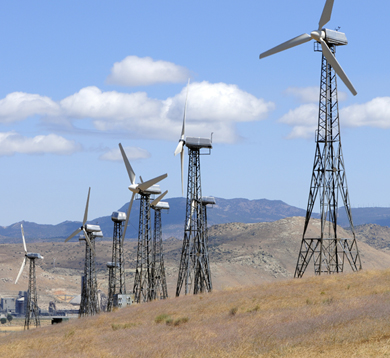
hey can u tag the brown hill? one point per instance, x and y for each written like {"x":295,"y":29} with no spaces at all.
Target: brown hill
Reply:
{"x":342,"y":315}
{"x":240,"y":255}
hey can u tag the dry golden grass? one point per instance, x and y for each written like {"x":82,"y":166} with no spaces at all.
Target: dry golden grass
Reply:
{"x":328,"y":316}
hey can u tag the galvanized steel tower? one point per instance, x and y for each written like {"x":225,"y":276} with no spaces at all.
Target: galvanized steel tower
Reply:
{"x":89,"y":304}
{"x":32,"y":309}
{"x":158,"y":270}
{"x":194,"y":269}
{"x":143,"y":281}
{"x":329,"y":251}
{"x":116,"y":277}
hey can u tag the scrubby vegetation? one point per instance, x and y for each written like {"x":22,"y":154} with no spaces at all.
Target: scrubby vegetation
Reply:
{"x":327,"y":316}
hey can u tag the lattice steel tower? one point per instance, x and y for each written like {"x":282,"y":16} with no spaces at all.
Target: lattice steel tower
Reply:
{"x":329,"y":250}
{"x":89,"y":304}
{"x":158,"y":270}
{"x":116,"y":277}
{"x":32,"y":309}
{"x":194,"y":269}
{"x":143,"y":280}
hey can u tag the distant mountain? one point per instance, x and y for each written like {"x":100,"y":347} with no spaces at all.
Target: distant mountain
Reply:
{"x":225,"y":211}
{"x":361,"y":216}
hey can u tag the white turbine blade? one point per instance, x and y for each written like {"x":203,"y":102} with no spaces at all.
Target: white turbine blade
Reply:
{"x":24,"y":241}
{"x":326,"y":14}
{"x":286,"y":45}
{"x":185,"y":110}
{"x":179,"y":147}
{"x":182,"y":168}
{"x":88,"y":241}
{"x":127,"y":217}
{"x":336,"y":66}
{"x":147,"y":184}
{"x":21,"y":270}
{"x":86,"y":208}
{"x":129,"y":169}
{"x":74,"y":234}
{"x":140,"y":178}
{"x":193,"y":204}
{"x":157,"y":200}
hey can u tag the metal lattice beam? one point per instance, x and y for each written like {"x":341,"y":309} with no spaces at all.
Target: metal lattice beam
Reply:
{"x":329,"y":251}
{"x":32,"y":309}
{"x":194,"y":269}
{"x":89,"y":304}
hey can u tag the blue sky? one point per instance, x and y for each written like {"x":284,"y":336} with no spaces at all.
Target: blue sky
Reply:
{"x":78,"y":77}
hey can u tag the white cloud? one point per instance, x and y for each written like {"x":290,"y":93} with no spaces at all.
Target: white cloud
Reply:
{"x":375,"y":113}
{"x":18,"y":105}
{"x":310,"y":94}
{"x":304,"y":119}
{"x":211,"y":108}
{"x":137,"y":71}
{"x":11,"y":143}
{"x":133,"y":153}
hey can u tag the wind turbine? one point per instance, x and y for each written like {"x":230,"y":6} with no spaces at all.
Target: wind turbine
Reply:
{"x":328,"y":176}
{"x":89,"y":303}
{"x":143,"y":282}
{"x":160,"y":290}
{"x":116,"y":277}
{"x":194,"y":271}
{"x":32,"y":309}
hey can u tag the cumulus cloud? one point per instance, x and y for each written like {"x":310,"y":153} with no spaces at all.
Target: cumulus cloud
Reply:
{"x":211,"y":107}
{"x":19,"y":105}
{"x":304,"y":119}
{"x":375,"y":113}
{"x":11,"y":143}
{"x":137,"y":71}
{"x":133,"y":153}
{"x":310,"y":94}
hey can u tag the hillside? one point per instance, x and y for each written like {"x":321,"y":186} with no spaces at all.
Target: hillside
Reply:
{"x":240,"y":254}
{"x":343,"y":315}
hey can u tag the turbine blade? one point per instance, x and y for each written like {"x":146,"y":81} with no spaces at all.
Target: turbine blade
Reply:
{"x":193,"y":203}
{"x":129,"y":169}
{"x":140,"y":178}
{"x":326,"y":14}
{"x":185,"y":109}
{"x":127,"y":217}
{"x":336,"y":66}
{"x":286,"y":45}
{"x":182,"y":168}
{"x":21,"y":270}
{"x":179,"y":147}
{"x":73,"y":235}
{"x":147,"y":184}
{"x":88,"y":241}
{"x":157,"y":200}
{"x":24,"y":241}
{"x":86,"y":208}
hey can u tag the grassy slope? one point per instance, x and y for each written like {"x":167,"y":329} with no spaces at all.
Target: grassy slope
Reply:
{"x":329,"y":316}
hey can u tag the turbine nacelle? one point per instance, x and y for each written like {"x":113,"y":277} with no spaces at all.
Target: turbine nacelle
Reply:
{"x":154,"y":189}
{"x":32,"y":255}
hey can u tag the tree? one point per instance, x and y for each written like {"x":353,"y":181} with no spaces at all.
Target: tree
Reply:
{"x":3,"y":320}
{"x":9,"y":318}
